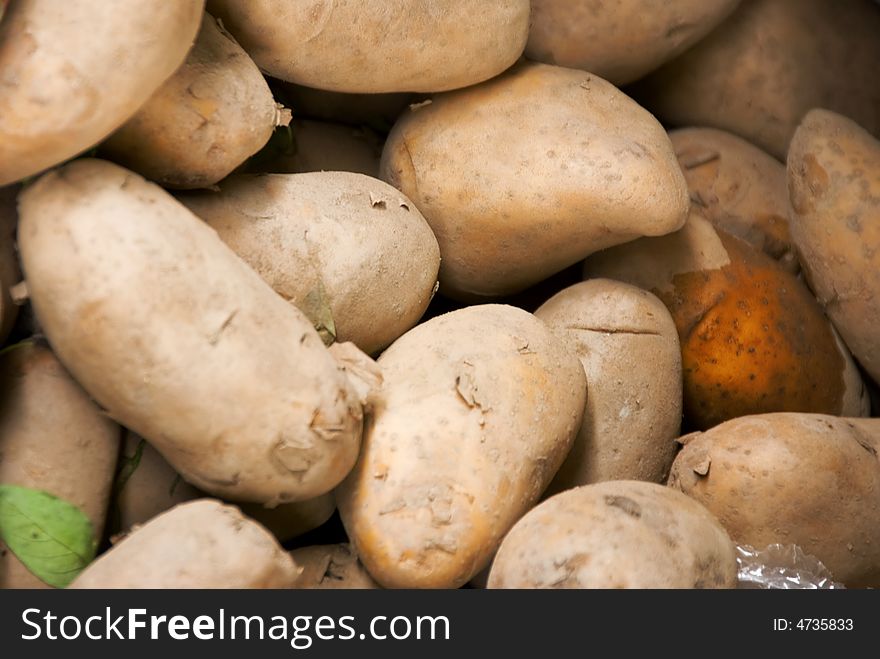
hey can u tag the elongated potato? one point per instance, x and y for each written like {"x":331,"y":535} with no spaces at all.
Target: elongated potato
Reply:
{"x":331,"y":567}
{"x":74,"y":71}
{"x":618,"y":534}
{"x":834,"y":182}
{"x":753,"y":338}
{"x":804,"y":479}
{"x":182,"y":342}
{"x":738,"y":188}
{"x":771,"y":62}
{"x":389,"y":46}
{"x":479,"y":409}
{"x":511,"y":204}
{"x":201,"y":544}
{"x":213,"y":114}
{"x":52,"y":438}
{"x":9,"y":270}
{"x":628,"y":345}
{"x":622,"y":40}
{"x":351,"y":252}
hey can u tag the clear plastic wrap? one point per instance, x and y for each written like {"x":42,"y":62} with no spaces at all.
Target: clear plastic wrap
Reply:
{"x":782,"y":567}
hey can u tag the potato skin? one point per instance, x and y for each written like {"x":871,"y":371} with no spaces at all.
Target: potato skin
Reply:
{"x":207,"y":119}
{"x":479,"y":408}
{"x":805,"y":479}
{"x":511,"y":205}
{"x":10,"y":273}
{"x":623,"y":40}
{"x":753,"y":338}
{"x":180,"y":341}
{"x":331,"y":240}
{"x":628,"y":345}
{"x":834,"y":183}
{"x":617,"y":534}
{"x":332,"y":567}
{"x":739,"y":188}
{"x":770,"y":63}
{"x":62,"y":58}
{"x":52,"y":438}
{"x":200,"y":544}
{"x":391,"y":46}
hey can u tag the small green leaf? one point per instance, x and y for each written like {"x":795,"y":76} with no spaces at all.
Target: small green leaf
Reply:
{"x":127,"y":466}
{"x":51,"y":537}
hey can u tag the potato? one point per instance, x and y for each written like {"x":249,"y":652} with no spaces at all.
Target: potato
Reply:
{"x":772,"y":61}
{"x":479,"y":408}
{"x":331,"y":567}
{"x":834,"y":181}
{"x":620,"y":41}
{"x":628,"y":345}
{"x":213,"y":114}
{"x":74,"y":71}
{"x":805,"y":479}
{"x":350,"y":251}
{"x":618,"y":534}
{"x":200,"y":544}
{"x":9,"y":271}
{"x":314,"y":146}
{"x":738,"y":188}
{"x":391,"y":46}
{"x":52,"y":438}
{"x":510,"y":203}
{"x":376,"y":111}
{"x":753,"y":338}
{"x":182,"y":342}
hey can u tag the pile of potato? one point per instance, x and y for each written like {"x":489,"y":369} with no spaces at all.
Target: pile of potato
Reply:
{"x":355,"y":294}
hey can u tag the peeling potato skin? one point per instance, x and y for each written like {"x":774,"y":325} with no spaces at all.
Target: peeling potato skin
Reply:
{"x":181,"y":341}
{"x":52,"y":438}
{"x":834,"y":182}
{"x":10,"y":273}
{"x":200,"y":544}
{"x":332,"y":567}
{"x":207,"y":119}
{"x":617,"y":534}
{"x":479,"y":409}
{"x":511,"y":205}
{"x":628,"y":345}
{"x":622,"y":40}
{"x":739,"y":188}
{"x":59,"y":59}
{"x":805,"y":479}
{"x":753,"y":338}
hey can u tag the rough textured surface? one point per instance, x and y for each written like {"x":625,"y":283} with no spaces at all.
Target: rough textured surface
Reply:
{"x":479,"y":409}
{"x":390,"y":46}
{"x":628,"y":345}
{"x":753,"y":338}
{"x":331,"y":567}
{"x":528,"y":173}
{"x":201,"y":544}
{"x":332,"y":242}
{"x":207,"y":119}
{"x":770,"y":63}
{"x":52,"y":438}
{"x":834,"y":181}
{"x":59,"y":59}
{"x":181,"y":341}
{"x":619,"y":40}
{"x":804,"y":479}
{"x":739,"y":188}
{"x":618,"y":534}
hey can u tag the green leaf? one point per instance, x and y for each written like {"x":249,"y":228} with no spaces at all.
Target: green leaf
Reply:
{"x":127,"y":467}
{"x":51,"y":537}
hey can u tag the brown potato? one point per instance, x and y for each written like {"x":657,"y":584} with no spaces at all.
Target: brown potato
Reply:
{"x":770,"y":63}
{"x":623,"y":40}
{"x":52,"y":438}
{"x":834,"y":181}
{"x":739,"y":188}
{"x":804,"y":479}
{"x":331,"y":567}
{"x":753,"y":338}
{"x":510,"y":203}
{"x":617,"y":534}
{"x":628,"y":345}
